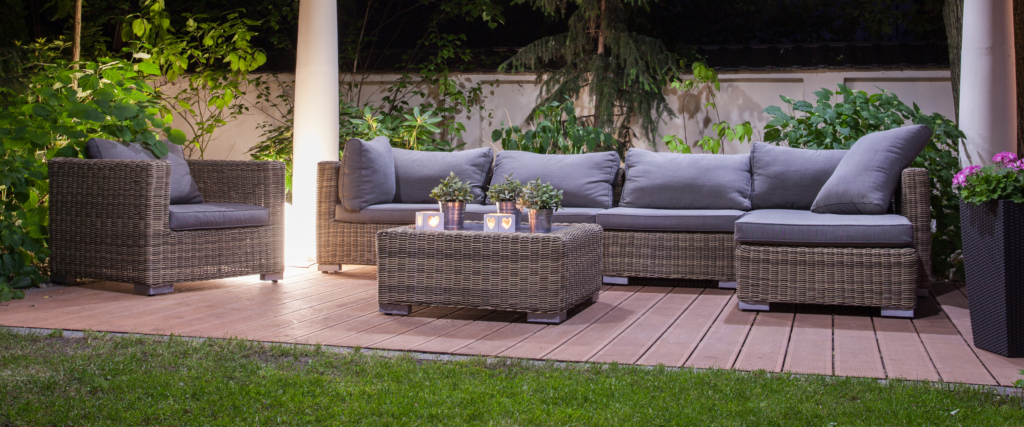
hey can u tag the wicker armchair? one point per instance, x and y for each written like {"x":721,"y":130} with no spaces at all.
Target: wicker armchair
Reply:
{"x":109,"y":221}
{"x":888,"y":278}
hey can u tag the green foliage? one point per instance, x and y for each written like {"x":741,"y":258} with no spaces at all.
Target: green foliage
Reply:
{"x":621,"y":72}
{"x":556,"y":130}
{"x":210,"y":61}
{"x":833,"y":124}
{"x":452,"y":189}
{"x":509,"y":190}
{"x":540,"y":195}
{"x":705,"y":83}
{"x":62,"y":107}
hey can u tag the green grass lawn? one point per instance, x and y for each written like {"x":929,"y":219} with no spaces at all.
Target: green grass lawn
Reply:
{"x":101,"y":380}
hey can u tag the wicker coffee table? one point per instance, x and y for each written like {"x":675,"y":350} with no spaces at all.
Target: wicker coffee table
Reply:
{"x":544,"y":275}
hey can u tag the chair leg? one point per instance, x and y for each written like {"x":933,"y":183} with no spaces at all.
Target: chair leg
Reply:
{"x":328,"y":268}
{"x":592,"y":299}
{"x":754,"y":307}
{"x":897,"y":313}
{"x":396,"y":309}
{"x":65,"y":280}
{"x":153,"y":290}
{"x":554,"y":318}
{"x":616,"y":280}
{"x":726,"y":285}
{"x":273,"y":277}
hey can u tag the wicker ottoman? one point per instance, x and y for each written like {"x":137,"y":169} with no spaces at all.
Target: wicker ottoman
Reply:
{"x":544,"y":275}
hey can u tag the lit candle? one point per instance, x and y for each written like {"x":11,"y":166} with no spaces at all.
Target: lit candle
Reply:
{"x":501,"y":223}
{"x":430,"y":221}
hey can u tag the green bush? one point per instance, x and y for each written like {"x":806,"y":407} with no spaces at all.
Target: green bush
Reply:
{"x":556,"y":130}
{"x":836,"y":123}
{"x":62,"y":106}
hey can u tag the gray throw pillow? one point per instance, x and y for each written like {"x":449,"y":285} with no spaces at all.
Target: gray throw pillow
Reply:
{"x":686,"y":181}
{"x":789,"y":178}
{"x":418,"y":172}
{"x":183,"y":187}
{"x":367,"y":173}
{"x":866,"y":178}
{"x":585,"y":179}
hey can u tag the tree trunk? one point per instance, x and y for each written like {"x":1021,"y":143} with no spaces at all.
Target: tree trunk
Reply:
{"x":1018,"y":48}
{"x":76,"y":47}
{"x":600,"y":31}
{"x":953,"y":16}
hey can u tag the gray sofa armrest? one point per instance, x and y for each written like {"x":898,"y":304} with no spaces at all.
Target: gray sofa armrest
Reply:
{"x":915,"y":204}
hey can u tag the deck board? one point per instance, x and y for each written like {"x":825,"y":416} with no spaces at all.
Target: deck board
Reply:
{"x":723,"y":342}
{"x":810,"y":343}
{"x":765,"y":348}
{"x":629,"y":324}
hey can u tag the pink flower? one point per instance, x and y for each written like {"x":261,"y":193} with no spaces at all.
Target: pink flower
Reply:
{"x":961,"y":177}
{"x":1006,"y":158}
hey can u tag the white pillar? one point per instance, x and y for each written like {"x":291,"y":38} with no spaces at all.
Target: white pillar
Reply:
{"x":988,"y":91}
{"x":316,"y":118}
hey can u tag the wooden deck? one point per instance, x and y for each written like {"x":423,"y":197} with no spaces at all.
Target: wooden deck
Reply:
{"x":650,"y":325}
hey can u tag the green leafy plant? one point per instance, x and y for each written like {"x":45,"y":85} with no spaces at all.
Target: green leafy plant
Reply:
{"x":452,"y":189}
{"x":63,"y":106}
{"x":705,"y":81}
{"x":831,"y":123}
{"x":509,"y":190}
{"x":1000,"y":181}
{"x":556,"y":130}
{"x":540,"y":195}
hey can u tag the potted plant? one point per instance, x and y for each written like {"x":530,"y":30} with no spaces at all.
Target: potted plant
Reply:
{"x":542,"y":200}
{"x":991,"y":216}
{"x":506,"y":196}
{"x":453,"y":194}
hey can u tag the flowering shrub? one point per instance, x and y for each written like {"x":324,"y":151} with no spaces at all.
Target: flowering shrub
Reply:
{"x":1000,"y":181}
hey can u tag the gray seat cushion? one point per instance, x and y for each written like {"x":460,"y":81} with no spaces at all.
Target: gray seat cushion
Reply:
{"x":571,"y":215}
{"x":866,"y":178}
{"x":686,"y":181}
{"x":585,"y":179}
{"x":367,"y":173}
{"x":695,"y":220}
{"x":805,"y":228}
{"x":183,"y":187}
{"x":204,"y":216}
{"x":418,"y":172}
{"x":386,"y":213}
{"x":789,"y":178}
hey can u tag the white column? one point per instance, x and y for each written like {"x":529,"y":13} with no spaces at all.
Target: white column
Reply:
{"x":988,"y":94}
{"x":316,"y":118}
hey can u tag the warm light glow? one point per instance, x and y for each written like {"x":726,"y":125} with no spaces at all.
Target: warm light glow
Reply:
{"x":507,"y":222}
{"x":434,"y":220}
{"x":430,"y":221}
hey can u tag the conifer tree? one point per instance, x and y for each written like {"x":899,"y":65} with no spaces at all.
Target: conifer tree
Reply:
{"x":620,"y":72}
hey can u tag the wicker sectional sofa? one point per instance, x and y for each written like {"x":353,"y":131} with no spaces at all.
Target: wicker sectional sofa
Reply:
{"x":671,"y":216}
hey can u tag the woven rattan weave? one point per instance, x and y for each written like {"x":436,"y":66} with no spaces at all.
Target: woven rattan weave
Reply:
{"x":669,"y":255}
{"x":537,"y":273}
{"x":109,"y":221}
{"x":873,"y":277}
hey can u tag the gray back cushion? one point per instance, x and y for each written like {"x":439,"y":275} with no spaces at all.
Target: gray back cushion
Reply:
{"x":418,"y":172}
{"x":367,"y":174}
{"x":789,"y":178}
{"x":686,"y":181}
{"x":183,"y":187}
{"x":585,"y":179}
{"x":866,"y":178}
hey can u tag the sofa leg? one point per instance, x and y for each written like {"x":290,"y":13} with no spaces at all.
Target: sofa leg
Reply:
{"x":273,"y":277}
{"x":64,"y":280}
{"x":592,"y":299}
{"x":396,"y":309}
{"x":153,"y":290}
{"x":554,"y":318}
{"x":897,"y":313}
{"x":328,"y":268}
{"x":726,"y":285}
{"x":616,"y":280}
{"x":754,"y":307}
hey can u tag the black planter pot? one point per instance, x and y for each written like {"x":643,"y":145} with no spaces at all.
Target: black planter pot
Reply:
{"x":993,"y":236}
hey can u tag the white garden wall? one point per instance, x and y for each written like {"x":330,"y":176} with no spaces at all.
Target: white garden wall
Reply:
{"x":743,"y":97}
